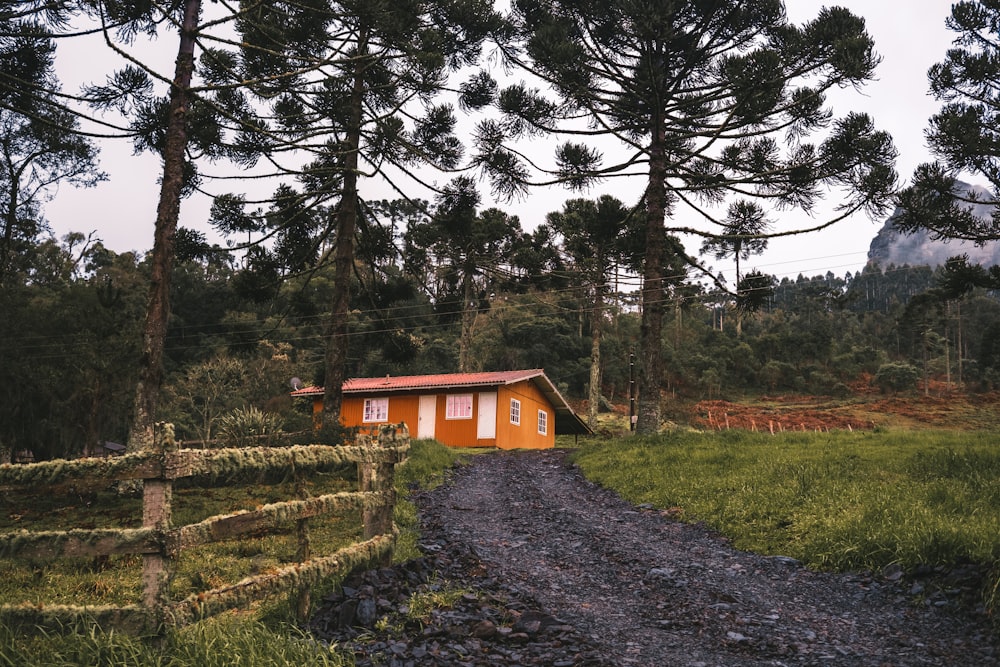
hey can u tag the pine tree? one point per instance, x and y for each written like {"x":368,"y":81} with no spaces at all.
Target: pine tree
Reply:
{"x":40,"y":144}
{"x":365,"y":108}
{"x":964,"y":135}
{"x":714,"y":101}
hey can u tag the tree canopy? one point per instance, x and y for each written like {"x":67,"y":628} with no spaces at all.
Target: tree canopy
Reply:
{"x":713,"y":102}
{"x":40,"y":147}
{"x":964,"y":136}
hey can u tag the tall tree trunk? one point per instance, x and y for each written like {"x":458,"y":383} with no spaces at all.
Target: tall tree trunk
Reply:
{"x":468,"y":317}
{"x":596,"y":329}
{"x":154,"y":333}
{"x":739,"y":309}
{"x":678,"y":323}
{"x":958,"y":341}
{"x":651,"y":325}
{"x":343,"y":254}
{"x":927,"y":363}
{"x":10,"y":223}
{"x":947,"y":344}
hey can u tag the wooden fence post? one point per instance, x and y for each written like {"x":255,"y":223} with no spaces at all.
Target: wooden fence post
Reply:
{"x":376,"y":474}
{"x":304,"y":551}
{"x":156,"y":498}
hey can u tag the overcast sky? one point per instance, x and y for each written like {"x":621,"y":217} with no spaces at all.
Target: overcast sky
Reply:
{"x":910,"y":36}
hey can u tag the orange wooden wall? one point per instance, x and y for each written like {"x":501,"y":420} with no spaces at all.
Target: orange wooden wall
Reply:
{"x":525,"y":435}
{"x":458,"y":432}
{"x":463,"y":432}
{"x":402,"y":408}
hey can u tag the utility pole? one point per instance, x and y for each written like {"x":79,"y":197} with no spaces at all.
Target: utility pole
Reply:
{"x":631,"y":389}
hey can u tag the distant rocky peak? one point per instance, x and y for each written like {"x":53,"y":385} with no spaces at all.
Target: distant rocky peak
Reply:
{"x":891,"y":247}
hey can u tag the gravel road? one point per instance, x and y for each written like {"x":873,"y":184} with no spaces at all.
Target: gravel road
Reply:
{"x":570,"y":574}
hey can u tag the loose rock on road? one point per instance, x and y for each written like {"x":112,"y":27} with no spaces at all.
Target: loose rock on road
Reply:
{"x":562,"y":572}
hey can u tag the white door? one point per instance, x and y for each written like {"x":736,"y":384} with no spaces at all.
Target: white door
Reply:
{"x":487,"y":423}
{"x":426,"y":414}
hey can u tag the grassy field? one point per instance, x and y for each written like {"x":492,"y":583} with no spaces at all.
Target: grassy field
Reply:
{"x":836,"y":500}
{"x":225,"y":641}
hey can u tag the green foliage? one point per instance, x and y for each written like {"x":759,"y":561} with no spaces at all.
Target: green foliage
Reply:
{"x":199,"y":397}
{"x":896,"y":377}
{"x":530,"y":331}
{"x":68,"y":346}
{"x":42,"y":145}
{"x":843,"y":501}
{"x":962,"y":136}
{"x":249,"y":427}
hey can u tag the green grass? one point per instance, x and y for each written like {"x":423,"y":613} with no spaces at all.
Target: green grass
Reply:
{"x":224,"y":641}
{"x":425,"y":467}
{"x":836,"y":501}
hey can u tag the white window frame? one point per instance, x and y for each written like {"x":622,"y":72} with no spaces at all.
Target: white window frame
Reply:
{"x":375,"y":410}
{"x":515,"y":411}
{"x":543,"y":422}
{"x":458,"y":406}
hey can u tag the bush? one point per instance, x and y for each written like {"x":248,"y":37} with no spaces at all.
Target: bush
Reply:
{"x":249,"y":427}
{"x":892,"y":378}
{"x":777,"y":375}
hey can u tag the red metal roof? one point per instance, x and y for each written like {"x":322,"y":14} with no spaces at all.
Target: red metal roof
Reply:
{"x":416,"y":382}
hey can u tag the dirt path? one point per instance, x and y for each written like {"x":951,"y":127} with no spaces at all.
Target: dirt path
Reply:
{"x":649,"y":591}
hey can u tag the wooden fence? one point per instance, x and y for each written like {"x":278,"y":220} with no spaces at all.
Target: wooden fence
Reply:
{"x":159,"y":543}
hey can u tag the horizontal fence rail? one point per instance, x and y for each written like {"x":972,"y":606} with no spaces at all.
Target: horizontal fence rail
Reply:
{"x":159,"y":543}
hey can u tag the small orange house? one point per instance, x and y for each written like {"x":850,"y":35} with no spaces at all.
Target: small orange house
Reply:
{"x":503,"y":409}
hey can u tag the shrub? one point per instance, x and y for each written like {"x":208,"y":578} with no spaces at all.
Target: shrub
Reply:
{"x":777,"y":375}
{"x":895,"y":377}
{"x":249,"y":427}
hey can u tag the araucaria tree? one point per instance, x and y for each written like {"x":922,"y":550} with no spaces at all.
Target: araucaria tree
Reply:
{"x":468,"y":248}
{"x":713,"y":101}
{"x":39,"y":144}
{"x":964,"y":136}
{"x":744,"y":235}
{"x":61,"y":153}
{"x":172,"y":184}
{"x":595,"y":237}
{"x":364,"y":106}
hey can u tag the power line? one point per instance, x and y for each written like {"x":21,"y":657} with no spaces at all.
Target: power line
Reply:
{"x":43,"y":348}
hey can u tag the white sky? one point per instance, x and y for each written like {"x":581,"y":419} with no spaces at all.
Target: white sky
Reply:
{"x":910,"y":35}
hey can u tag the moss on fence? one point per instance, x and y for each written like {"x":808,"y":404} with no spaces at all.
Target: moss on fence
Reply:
{"x":160,"y":545}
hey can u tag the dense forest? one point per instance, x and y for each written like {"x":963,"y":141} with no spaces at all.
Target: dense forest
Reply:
{"x":280,"y":112}
{"x":236,"y":338}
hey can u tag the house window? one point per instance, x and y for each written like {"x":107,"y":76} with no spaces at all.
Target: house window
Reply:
{"x":543,"y":422}
{"x":376,"y":410}
{"x":458,"y":406}
{"x":515,"y":411}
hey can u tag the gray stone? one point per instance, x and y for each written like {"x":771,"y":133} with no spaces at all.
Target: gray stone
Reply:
{"x":366,"y":614}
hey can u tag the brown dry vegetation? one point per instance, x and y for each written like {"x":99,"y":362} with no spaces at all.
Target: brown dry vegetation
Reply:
{"x":941,"y":410}
{"x":864,"y":410}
